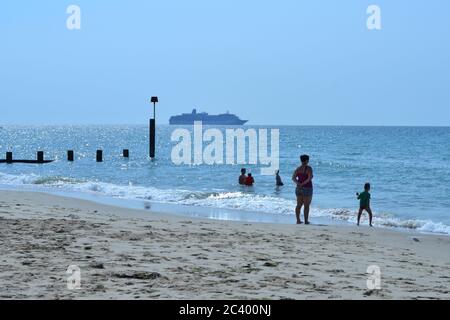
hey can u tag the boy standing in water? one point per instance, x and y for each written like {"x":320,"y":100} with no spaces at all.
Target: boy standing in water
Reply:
{"x":364,"y":203}
{"x":243,"y":176}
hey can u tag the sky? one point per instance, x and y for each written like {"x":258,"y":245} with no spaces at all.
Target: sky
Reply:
{"x":287,"y":62}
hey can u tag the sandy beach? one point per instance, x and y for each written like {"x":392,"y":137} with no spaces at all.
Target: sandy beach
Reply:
{"x":163,"y":256}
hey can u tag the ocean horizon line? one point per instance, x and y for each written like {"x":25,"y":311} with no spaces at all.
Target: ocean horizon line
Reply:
{"x":246,"y":125}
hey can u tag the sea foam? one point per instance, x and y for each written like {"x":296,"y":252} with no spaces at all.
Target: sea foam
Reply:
{"x":238,"y":200}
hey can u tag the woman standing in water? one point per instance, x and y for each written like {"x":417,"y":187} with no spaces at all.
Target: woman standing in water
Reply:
{"x":302,"y":177}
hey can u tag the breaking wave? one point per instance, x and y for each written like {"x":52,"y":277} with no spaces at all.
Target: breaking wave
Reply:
{"x":217,"y":199}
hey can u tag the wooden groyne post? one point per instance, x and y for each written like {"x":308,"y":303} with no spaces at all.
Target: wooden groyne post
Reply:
{"x":70,"y":155}
{"x":99,"y":156}
{"x":9,"y":157}
{"x":40,"y":157}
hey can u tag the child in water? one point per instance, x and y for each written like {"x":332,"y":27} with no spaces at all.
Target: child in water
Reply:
{"x":243,"y":176}
{"x":364,"y":203}
{"x":249,"y":181}
{"x":278,"y":181}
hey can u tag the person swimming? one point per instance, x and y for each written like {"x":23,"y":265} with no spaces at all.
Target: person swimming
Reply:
{"x":243,"y":176}
{"x":249,"y":181}
{"x":278,"y":181}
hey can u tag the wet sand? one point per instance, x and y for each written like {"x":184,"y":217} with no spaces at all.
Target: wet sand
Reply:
{"x":161,"y":256}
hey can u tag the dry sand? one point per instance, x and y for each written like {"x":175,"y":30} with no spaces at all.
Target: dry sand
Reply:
{"x":162,"y":256}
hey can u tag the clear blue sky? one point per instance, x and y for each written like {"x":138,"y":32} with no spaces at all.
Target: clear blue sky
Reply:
{"x":273,"y":62}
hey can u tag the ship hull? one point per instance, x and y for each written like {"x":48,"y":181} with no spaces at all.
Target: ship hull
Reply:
{"x":207,"y":122}
{"x":225,"y":119}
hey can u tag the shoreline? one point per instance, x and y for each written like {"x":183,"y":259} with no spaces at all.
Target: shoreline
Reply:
{"x":209,"y":213}
{"x":171,"y":257}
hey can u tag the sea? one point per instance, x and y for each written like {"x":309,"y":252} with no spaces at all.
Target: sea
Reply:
{"x":408,"y":168}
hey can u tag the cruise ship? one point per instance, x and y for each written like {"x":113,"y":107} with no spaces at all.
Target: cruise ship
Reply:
{"x":207,"y":119}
